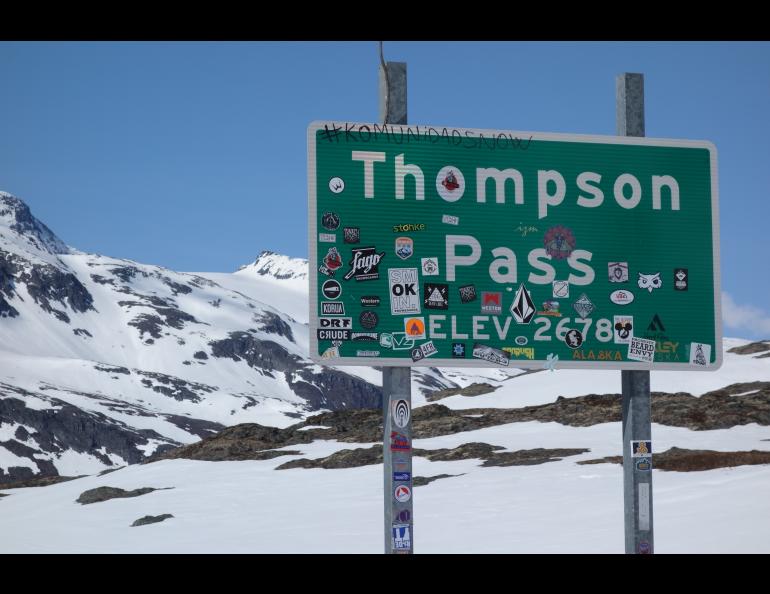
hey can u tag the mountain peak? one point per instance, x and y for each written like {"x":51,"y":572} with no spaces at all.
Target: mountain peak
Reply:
{"x":16,"y":218}
{"x":278,"y":266}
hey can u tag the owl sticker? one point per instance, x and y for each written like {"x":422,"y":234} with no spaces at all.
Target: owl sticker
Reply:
{"x":650,"y":281}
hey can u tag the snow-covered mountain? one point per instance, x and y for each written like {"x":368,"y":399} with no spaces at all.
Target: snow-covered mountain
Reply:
{"x":105,"y":361}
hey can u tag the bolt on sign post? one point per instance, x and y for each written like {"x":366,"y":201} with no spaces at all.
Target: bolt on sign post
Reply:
{"x":459,"y":247}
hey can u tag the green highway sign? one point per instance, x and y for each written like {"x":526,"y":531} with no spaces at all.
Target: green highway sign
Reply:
{"x":434,"y":246}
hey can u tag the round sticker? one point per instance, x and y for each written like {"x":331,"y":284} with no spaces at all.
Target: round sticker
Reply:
{"x":330,"y":221}
{"x":402,"y":493}
{"x":331,"y":289}
{"x":368,"y":319}
{"x":336,"y":185}
{"x":401,"y":413}
{"x":574,"y":339}
{"x":450,"y":183}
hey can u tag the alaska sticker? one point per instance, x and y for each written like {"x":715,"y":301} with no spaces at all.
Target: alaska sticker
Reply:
{"x":404,"y":292}
{"x":700,"y":354}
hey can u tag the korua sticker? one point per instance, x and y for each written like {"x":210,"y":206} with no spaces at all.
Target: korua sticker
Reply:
{"x":404,"y":247}
{"x":681,"y":279}
{"x":523,"y":308}
{"x":332,"y":262}
{"x":559,"y":242}
{"x":404,"y":292}
{"x":650,"y":281}
{"x":700,"y":354}
{"x":641,"y":349}
{"x":415,"y":328}
{"x":618,"y":272}
{"x":430,"y":267}
{"x":436,"y":296}
{"x":364,"y":264}
{"x":560,"y":289}
{"x":623,"y":328}
{"x":583,"y":306}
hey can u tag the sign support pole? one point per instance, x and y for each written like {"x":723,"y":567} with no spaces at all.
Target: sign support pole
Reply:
{"x":396,"y":381}
{"x":637,"y":427}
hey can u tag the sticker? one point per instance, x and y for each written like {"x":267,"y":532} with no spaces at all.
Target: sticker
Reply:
{"x":523,"y":308}
{"x":336,"y":185}
{"x":491,"y":303}
{"x":467,"y":293}
{"x":450,"y":220}
{"x":398,"y":341}
{"x":335,"y":322}
{"x":618,"y":272}
{"x":408,"y":227}
{"x":365,"y":336}
{"x":521,"y":340}
{"x":404,"y":293}
{"x":364,"y":264}
{"x":573,"y":339}
{"x":560,"y":289}
{"x":333,"y":351}
{"x":550,"y":361}
{"x":370,"y":301}
{"x":331,"y":289}
{"x":488,"y":353}
{"x":623,"y":328}
{"x":368,"y":320}
{"x":400,"y":412}
{"x":403,"y":515}
{"x":450,"y":183}
{"x":641,"y":349}
{"x":583,"y":306}
{"x":700,"y":354}
{"x":333,"y":334}
{"x":644,"y":506}
{"x":656,"y":325}
{"x":458,"y":350}
{"x":650,"y":281}
{"x":400,"y":463}
{"x":559,"y":242}
{"x":403,"y":477}
{"x":641,"y":448}
{"x":404,"y":247}
{"x":644,"y":464}
{"x":436,"y":296}
{"x":681,"y":279}
{"x":621,"y":297}
{"x":520,"y":352}
{"x":550,"y":308}
{"x":644,"y":547}
{"x":415,"y":328}
{"x":332,"y":262}
{"x":351,"y":234}
{"x":332,"y":308}
{"x":402,"y":493}
{"x":367,"y":353}
{"x":327,"y":237}
{"x":330,"y":221}
{"x":399,"y":442}
{"x":428,"y":348}
{"x":402,"y":540}
{"x":417,"y":354}
{"x":430,"y":266}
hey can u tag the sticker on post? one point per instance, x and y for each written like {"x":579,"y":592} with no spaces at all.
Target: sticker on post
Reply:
{"x":400,"y":412}
{"x":402,"y":493}
{"x":641,"y":449}
{"x":402,"y":540}
{"x":641,"y":349}
{"x":399,"y":442}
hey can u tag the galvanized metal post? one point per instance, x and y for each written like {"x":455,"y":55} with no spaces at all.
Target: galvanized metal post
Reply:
{"x":396,"y":381}
{"x":637,"y":426}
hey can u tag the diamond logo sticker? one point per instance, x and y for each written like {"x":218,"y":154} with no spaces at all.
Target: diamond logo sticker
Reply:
{"x":523,"y":308}
{"x":583,"y":306}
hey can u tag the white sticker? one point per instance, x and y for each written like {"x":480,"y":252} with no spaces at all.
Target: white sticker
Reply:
{"x":327,"y":237}
{"x":644,"y":506}
{"x":450,"y":220}
{"x":641,"y":349}
{"x":428,"y":348}
{"x":400,"y":412}
{"x":700,"y":354}
{"x":560,"y":289}
{"x":404,"y":292}
{"x":623,"y":328}
{"x":430,"y":267}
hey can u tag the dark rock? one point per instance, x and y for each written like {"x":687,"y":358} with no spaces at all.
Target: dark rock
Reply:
{"x":147,"y":323}
{"x":31,"y":229}
{"x":112,"y":369}
{"x":81,"y":332}
{"x":46,"y":283}
{"x":175,"y":287}
{"x":109,"y":470}
{"x":751,"y":348}
{"x":683,"y":460}
{"x":471,"y":390}
{"x":531,"y":457}
{"x":174,"y":387}
{"x":199,"y":427}
{"x":105,"y":493}
{"x":340,"y":459}
{"x":200,"y":355}
{"x":421,"y":481}
{"x":102,"y":281}
{"x":273,"y":324}
{"x":144,"y":520}
{"x":261,"y":354}
{"x":41,"y":481}
{"x":466,"y":451}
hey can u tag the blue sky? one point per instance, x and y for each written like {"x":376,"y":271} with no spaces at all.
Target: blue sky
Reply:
{"x":192,"y":155}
